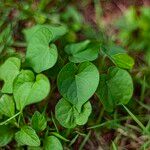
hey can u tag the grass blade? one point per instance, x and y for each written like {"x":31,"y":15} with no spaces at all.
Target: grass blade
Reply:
{"x":85,"y":140}
{"x":114,"y":147}
{"x":136,"y":119}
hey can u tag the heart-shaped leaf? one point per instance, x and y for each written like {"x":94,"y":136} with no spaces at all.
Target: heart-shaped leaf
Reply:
{"x":39,"y":122}
{"x":8,"y":72}
{"x":6,"y":101}
{"x":57,"y":31}
{"x":40,"y":55}
{"x":119,"y":56}
{"x":27,"y":136}
{"x":78,"y":83}
{"x":51,"y":143}
{"x":115,"y":88}
{"x":82,"y":117}
{"x":29,"y":89}
{"x":68,"y":116}
{"x":83,"y":51}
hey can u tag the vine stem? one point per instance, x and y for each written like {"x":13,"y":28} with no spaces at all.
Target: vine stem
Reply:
{"x":19,"y":44}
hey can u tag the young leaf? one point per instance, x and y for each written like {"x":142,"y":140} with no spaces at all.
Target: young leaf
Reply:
{"x":78,"y":83}
{"x":73,"y":17}
{"x":64,"y":113}
{"x":39,"y":122}
{"x":29,"y":89}
{"x":8,"y":72}
{"x":68,"y":116}
{"x":57,"y":31}
{"x":123,"y":61}
{"x":115,"y":88}
{"x":27,"y":136}
{"x":83,"y":51}
{"x":119,"y":56}
{"x":6,"y":135}
{"x":82,"y":117}
{"x":6,"y":38}
{"x":6,"y":101}
{"x":51,"y":143}
{"x":40,"y":55}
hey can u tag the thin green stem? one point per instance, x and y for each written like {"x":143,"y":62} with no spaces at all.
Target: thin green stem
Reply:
{"x":19,"y":44}
{"x":146,"y":117}
{"x":8,"y":120}
{"x":85,"y":140}
{"x":100,"y":115}
{"x":53,"y":120}
{"x":143,"y":90}
{"x":136,"y":120}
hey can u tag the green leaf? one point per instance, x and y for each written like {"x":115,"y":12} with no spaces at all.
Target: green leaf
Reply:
{"x":115,"y":88}
{"x":69,"y":117}
{"x":123,"y":61}
{"x":73,"y":14}
{"x":83,"y":51}
{"x":29,"y":89}
{"x":39,"y":122}
{"x":119,"y":56}
{"x":6,"y":135}
{"x":82,"y":117}
{"x":40,"y":55}
{"x":6,"y":101}
{"x":73,"y":17}
{"x":64,"y":113}
{"x":57,"y":31}
{"x":8,"y":72}
{"x":27,"y":136}
{"x":51,"y":143}
{"x":78,"y":83}
{"x":6,"y":38}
